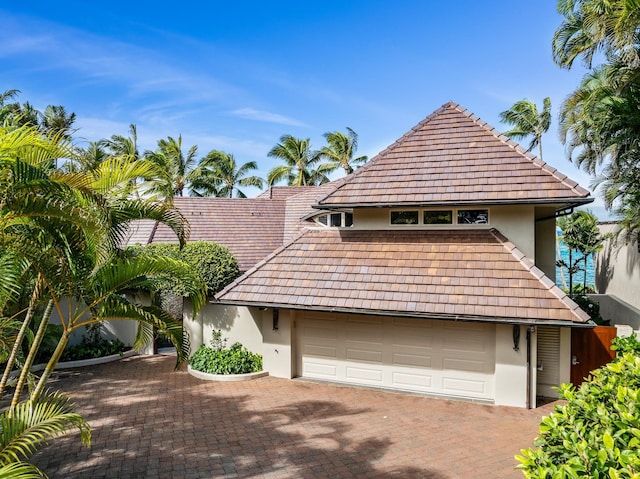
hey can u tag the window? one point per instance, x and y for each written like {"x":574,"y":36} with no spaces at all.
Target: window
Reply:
{"x":473,"y":217}
{"x":335,"y":220}
{"x":404,"y":217}
{"x":443,"y":217}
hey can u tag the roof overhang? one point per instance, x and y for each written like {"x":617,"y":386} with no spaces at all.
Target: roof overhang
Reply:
{"x":559,"y":203}
{"x":415,"y":315}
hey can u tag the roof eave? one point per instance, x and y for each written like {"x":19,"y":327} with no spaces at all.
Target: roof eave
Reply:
{"x":414,"y":314}
{"x":561,"y":203}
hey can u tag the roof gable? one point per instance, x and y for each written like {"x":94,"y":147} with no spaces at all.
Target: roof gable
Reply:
{"x":455,"y":274}
{"x":453,"y":157}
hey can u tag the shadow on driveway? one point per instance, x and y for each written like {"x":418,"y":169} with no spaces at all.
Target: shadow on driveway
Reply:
{"x":151,"y":422}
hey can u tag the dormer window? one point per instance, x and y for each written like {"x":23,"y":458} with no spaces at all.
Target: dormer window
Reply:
{"x":335,"y":220}
{"x":405,"y":217}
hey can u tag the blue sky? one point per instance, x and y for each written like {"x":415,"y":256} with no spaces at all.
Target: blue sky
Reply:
{"x":236,"y":76}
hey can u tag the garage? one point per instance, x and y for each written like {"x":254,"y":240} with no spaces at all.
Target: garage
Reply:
{"x":427,"y":356}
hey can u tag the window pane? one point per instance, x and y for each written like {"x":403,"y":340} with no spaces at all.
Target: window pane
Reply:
{"x":404,"y":217}
{"x":336,"y":219}
{"x":475,"y":217}
{"x":348,"y":219}
{"x":438,"y":217}
{"x":322,"y":219}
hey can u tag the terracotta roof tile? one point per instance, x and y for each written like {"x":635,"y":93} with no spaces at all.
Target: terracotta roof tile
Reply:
{"x":453,"y":157}
{"x":437,"y":273}
{"x":250,"y":227}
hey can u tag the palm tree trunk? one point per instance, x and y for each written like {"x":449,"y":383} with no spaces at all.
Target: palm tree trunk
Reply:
{"x":20,"y":337}
{"x":26,"y":368}
{"x":51,"y":365}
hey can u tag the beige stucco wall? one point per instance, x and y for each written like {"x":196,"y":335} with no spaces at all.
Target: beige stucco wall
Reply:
{"x":511,"y":368}
{"x":515,"y":222}
{"x":237,"y":323}
{"x":545,"y":232}
{"x":618,"y":268}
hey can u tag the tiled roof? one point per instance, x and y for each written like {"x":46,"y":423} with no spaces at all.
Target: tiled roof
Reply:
{"x":299,"y":209}
{"x":473,"y":274}
{"x":283,"y":192}
{"x":453,"y":157}
{"x":251,"y":228}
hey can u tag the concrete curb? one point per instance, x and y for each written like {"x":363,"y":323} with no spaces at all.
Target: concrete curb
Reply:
{"x":226,"y":377}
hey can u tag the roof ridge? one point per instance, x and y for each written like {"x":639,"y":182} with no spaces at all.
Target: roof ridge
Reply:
{"x":412,"y":131}
{"x":547,"y":282}
{"x":564,"y":179}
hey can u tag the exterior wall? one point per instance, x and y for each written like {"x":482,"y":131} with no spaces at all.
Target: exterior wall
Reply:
{"x":237,"y":323}
{"x":545,"y":258}
{"x":618,"y":312}
{"x":511,"y":368}
{"x":618,"y":268}
{"x":515,"y":222}
{"x":278,"y":354}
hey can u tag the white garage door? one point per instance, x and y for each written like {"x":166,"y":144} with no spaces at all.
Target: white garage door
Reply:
{"x":435,"y":357}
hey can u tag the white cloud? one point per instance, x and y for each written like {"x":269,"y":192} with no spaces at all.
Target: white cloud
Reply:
{"x":265,"y":116}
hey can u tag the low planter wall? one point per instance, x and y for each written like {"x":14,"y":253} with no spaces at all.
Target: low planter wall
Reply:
{"x":226,"y":377}
{"x":80,"y":363}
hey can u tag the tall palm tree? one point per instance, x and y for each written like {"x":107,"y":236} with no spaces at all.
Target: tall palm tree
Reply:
{"x":175,"y":163}
{"x":592,"y":26}
{"x":299,"y":160}
{"x":56,"y":120}
{"x":67,"y":228}
{"x":7,"y":106}
{"x":526,"y":121}
{"x":340,"y":151}
{"x":218,"y":175}
{"x":119,"y":145}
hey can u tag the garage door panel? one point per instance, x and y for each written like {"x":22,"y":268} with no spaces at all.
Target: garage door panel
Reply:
{"x":458,"y":364}
{"x":438,"y":357}
{"x":364,"y":355}
{"x":364,"y":375}
{"x":407,"y":359}
{"x":420,"y":382}
{"x":459,"y":386}
{"x":320,"y":370}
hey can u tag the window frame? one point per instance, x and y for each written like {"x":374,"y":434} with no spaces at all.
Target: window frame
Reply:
{"x":454,"y":217}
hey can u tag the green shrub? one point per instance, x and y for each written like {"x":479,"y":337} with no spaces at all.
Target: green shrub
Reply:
{"x":215,"y":263}
{"x":93,"y":345}
{"x":597,"y":432}
{"x":215,"y":359}
{"x":626,"y":344}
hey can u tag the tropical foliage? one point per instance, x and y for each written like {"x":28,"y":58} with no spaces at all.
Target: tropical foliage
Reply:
{"x":218,"y":359}
{"x":582,"y":236}
{"x":596,"y":433}
{"x":217,"y":174}
{"x":340,"y":150}
{"x":528,"y":122}
{"x":600,"y":121}
{"x":299,"y":162}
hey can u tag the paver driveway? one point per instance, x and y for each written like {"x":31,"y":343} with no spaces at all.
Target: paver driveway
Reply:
{"x":151,"y":422}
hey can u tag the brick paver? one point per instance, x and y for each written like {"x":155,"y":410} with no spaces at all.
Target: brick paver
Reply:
{"x":151,"y":422}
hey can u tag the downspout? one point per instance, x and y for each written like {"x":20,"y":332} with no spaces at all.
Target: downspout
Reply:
{"x":528,"y":368}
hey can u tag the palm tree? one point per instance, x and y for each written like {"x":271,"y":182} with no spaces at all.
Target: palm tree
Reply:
{"x":217,"y":175}
{"x":119,"y":145}
{"x":299,"y":162}
{"x":176,"y":165}
{"x":592,"y":26}
{"x":526,"y":121}
{"x":340,"y":150}
{"x":67,"y":228}
{"x":32,"y":424}
{"x":7,"y":108}
{"x":56,"y":120}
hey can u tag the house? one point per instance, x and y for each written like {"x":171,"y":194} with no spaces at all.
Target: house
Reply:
{"x":431,"y":269}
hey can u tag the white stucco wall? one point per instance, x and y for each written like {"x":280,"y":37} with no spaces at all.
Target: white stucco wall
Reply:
{"x":545,"y":232}
{"x":278,"y":354}
{"x":618,"y":268}
{"x":511,"y":368}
